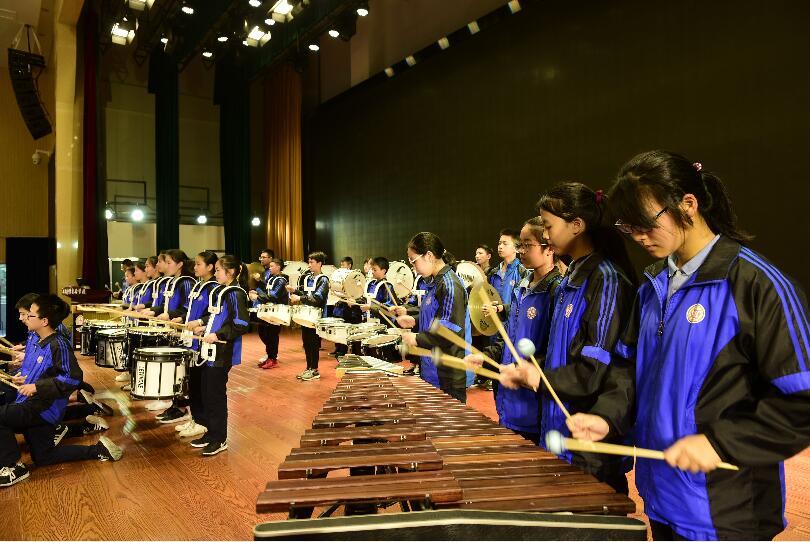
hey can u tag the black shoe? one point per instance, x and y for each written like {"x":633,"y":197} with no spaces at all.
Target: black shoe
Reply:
{"x":59,"y":433}
{"x":487,"y":385}
{"x":213,"y":448}
{"x":11,"y":475}
{"x":94,"y":424}
{"x":108,"y":450}
{"x":201,"y":442}
{"x":173,"y":414}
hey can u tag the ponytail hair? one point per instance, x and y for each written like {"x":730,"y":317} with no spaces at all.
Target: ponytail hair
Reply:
{"x":425,"y":241}
{"x":667,"y":177}
{"x":209,"y":257}
{"x":572,"y":200}
{"x":231,"y":262}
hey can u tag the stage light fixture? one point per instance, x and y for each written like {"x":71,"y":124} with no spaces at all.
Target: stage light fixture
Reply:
{"x":514,"y":6}
{"x":207,"y":54}
{"x":362,"y":9}
{"x":269,"y":21}
{"x":188,"y":10}
{"x":202,"y":219}
{"x":256,"y":221}
{"x":473,"y":27}
{"x":139,"y":5}
{"x":108,"y":214}
{"x":314,"y":47}
{"x":75,"y":244}
{"x":282,"y":7}
{"x":122,"y":33}
{"x":164,"y":40}
{"x":444,"y":43}
{"x":389,"y":71}
{"x":222,"y":39}
{"x":410,"y":60}
{"x":255,"y":3}
{"x":334,"y":33}
{"x":136,"y":214}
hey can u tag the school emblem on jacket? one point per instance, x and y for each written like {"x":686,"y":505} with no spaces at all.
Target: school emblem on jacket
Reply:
{"x":428,"y":301}
{"x":39,"y":359}
{"x":531,"y":312}
{"x":569,"y":309}
{"x":695,"y":314}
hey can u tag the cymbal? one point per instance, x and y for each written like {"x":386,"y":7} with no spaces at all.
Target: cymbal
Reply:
{"x":253,"y":268}
{"x":482,"y":323}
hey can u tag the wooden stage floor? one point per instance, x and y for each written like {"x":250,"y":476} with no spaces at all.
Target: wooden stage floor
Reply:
{"x":163,"y":489}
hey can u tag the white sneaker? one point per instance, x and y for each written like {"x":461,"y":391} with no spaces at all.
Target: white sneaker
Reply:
{"x":158,"y":405}
{"x":193,"y":430}
{"x":301,"y":376}
{"x":126,"y":387}
{"x":183,"y":426}
{"x":263,"y":359}
{"x":123,"y":377}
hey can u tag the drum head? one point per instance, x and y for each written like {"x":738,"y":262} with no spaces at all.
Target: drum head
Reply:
{"x":161,"y":353}
{"x":379,"y":340}
{"x":401,"y":278}
{"x":112,"y":333}
{"x":328,"y":270}
{"x":148,"y":330}
{"x":294,"y":271}
{"x":360,"y":336}
{"x":470,"y":274}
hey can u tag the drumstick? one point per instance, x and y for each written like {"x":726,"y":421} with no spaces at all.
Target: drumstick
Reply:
{"x":498,"y":324}
{"x":139,"y":316}
{"x":391,"y":293}
{"x":374,"y":301}
{"x":6,"y":379}
{"x":6,"y":341}
{"x":9,"y":351}
{"x":557,"y":444}
{"x":440,"y":358}
{"x":201,"y":337}
{"x":527,"y":348}
{"x":438,"y":329}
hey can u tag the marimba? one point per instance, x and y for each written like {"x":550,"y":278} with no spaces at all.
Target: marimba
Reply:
{"x":424,"y":450}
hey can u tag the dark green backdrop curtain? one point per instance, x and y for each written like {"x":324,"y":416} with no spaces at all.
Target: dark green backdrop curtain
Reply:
{"x":232,"y":95}
{"x":163,"y":84}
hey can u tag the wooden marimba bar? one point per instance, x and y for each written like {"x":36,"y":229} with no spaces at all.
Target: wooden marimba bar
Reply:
{"x":426,"y":450}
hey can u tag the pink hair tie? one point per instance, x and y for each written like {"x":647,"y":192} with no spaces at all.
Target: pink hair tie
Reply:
{"x":599,"y":196}
{"x":698,"y":166}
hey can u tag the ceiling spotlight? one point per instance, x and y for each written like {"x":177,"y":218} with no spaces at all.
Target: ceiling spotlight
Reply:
{"x":313,"y":47}
{"x":222,"y":39}
{"x":282,"y":7}
{"x":389,"y":71}
{"x":202,"y":219}
{"x":473,"y":27}
{"x":269,"y":21}
{"x":362,"y":9}
{"x":255,"y":3}
{"x":108,"y":214}
{"x":245,"y":42}
{"x":514,"y":6}
{"x":164,"y":40}
{"x":256,"y":221}
{"x":75,"y":244}
{"x":444,"y":43}
{"x":207,"y":54}
{"x":188,"y":10}
{"x":136,"y":214}
{"x":410,"y":60}
{"x":334,"y":33}
{"x":139,"y":5}
{"x":122,"y":33}
{"x":257,"y":37}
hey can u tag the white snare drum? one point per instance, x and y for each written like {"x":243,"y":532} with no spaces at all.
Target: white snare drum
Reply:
{"x":348,"y":283}
{"x":333,"y":329}
{"x":306,"y":315}
{"x":366,"y":327}
{"x":275,"y":313}
{"x":111,"y":350}
{"x":401,"y":278}
{"x":160,"y":372}
{"x":470,"y":274}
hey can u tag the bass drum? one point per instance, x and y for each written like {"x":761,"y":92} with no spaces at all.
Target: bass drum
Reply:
{"x":470,"y":274}
{"x":329,"y":270}
{"x":348,"y":283}
{"x":401,"y":278}
{"x":294,"y":271}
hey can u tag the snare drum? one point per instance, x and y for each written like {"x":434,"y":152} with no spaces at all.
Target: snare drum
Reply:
{"x":348,"y":283}
{"x":384,"y":347}
{"x":111,"y":351}
{"x":306,"y":315}
{"x":90,"y":330}
{"x":355,"y":342}
{"x":333,"y":329}
{"x":366,"y":327}
{"x":160,"y":372}
{"x":144,"y":337}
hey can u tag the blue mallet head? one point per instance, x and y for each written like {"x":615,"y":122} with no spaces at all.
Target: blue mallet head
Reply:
{"x":525,"y":347}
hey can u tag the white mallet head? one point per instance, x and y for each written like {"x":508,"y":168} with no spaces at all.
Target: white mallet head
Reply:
{"x":403,"y":349}
{"x":526,"y":347}
{"x":555,"y":443}
{"x":436,"y":356}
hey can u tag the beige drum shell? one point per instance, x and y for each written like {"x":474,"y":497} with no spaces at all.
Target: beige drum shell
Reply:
{"x":306,"y":315}
{"x":294,"y":271}
{"x":401,"y":278}
{"x":349,"y":282}
{"x":279,"y":314}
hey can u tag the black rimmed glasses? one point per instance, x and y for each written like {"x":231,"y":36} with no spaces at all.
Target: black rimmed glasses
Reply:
{"x":628,"y":229}
{"x":524,"y":247}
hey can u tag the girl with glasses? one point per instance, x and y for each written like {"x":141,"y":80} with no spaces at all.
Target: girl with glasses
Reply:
{"x":590,"y":311}
{"x":713,"y":365}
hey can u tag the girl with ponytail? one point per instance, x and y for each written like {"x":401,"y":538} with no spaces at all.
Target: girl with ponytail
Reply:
{"x":445,"y":301}
{"x":713,"y":364}
{"x":224,"y":324}
{"x":590,"y":310}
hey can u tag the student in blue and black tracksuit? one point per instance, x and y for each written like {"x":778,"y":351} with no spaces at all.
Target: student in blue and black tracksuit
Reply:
{"x":350,"y":314}
{"x":529,"y":317}
{"x":274,"y":291}
{"x":445,"y":301}
{"x":714,"y":365}
{"x":159,"y":288}
{"x":591,"y":309}
{"x":47,"y":378}
{"x":149,"y":280}
{"x":261,"y":280}
{"x":226,"y":320}
{"x":378,"y":289}
{"x":197,"y":309}
{"x":508,"y":274}
{"x":313,"y":292}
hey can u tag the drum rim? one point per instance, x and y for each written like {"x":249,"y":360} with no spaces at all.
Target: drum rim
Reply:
{"x":392,"y":340}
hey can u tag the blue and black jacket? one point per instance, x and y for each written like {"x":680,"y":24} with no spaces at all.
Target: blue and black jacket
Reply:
{"x":313,"y":290}
{"x":275,"y":291}
{"x":158,"y":293}
{"x":529,"y":317}
{"x":198,"y":299}
{"x":515,"y":272}
{"x":230,"y":322}
{"x":176,"y":296}
{"x":591,"y":309}
{"x":445,"y":301}
{"x":50,"y":364}
{"x":728,"y":356}
{"x":377,"y":290}
{"x":261,"y":290}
